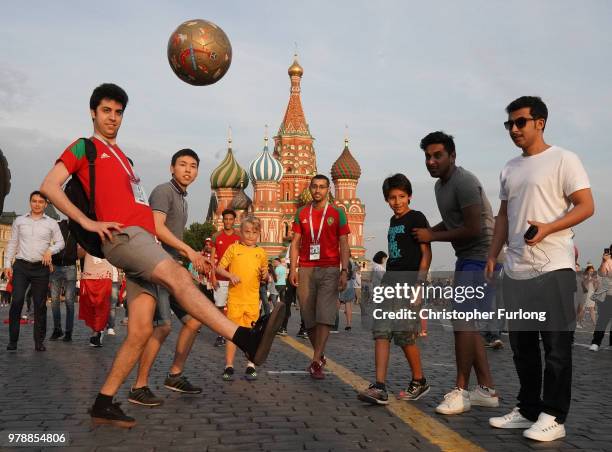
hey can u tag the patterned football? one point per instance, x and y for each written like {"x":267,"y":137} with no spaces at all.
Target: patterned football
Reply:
{"x":199,"y":52}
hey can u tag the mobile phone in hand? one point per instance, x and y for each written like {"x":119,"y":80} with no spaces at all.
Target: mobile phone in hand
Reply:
{"x":531,"y":232}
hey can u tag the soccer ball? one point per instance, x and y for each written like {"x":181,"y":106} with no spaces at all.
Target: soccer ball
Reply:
{"x":199,"y":52}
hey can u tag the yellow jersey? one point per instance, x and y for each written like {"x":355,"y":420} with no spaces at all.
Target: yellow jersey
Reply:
{"x":248,"y":263}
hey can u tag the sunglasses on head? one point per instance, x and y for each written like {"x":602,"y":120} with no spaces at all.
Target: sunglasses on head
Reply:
{"x":518,"y":122}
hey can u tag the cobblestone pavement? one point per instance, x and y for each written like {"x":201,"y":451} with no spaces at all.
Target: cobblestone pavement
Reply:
{"x":284,"y":409}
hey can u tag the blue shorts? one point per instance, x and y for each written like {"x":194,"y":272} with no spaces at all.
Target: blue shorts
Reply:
{"x":469,"y":273}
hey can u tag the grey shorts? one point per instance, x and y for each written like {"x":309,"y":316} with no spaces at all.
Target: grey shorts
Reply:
{"x":136,"y":252}
{"x":317,"y":293}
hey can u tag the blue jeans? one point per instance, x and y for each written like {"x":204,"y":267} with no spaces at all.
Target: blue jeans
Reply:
{"x":113,"y":304}
{"x":63,"y":276}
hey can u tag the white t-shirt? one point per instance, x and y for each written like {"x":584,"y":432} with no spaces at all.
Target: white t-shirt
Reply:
{"x":537,"y":188}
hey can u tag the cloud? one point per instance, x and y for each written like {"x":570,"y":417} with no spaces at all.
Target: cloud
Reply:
{"x":15,"y":93}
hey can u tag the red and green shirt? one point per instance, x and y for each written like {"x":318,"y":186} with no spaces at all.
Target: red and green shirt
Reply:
{"x":114,"y":196}
{"x":334,"y":226}
{"x":221,"y":242}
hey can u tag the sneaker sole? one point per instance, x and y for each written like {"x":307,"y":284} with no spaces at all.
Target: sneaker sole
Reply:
{"x":439,"y":411}
{"x":534,"y":437}
{"x":512,"y":425}
{"x":113,"y":422}
{"x":182,"y":391}
{"x":274,"y":323}
{"x":249,"y":378}
{"x":371,"y":400}
{"x":138,"y":402}
{"x":486,"y":404}
{"x":416,"y":398}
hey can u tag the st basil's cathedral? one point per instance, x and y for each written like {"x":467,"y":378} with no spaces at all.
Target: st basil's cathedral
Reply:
{"x":280,"y":181}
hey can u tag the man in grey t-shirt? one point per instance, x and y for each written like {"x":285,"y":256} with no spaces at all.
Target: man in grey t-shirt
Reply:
{"x":170,"y":214}
{"x":467,"y":222}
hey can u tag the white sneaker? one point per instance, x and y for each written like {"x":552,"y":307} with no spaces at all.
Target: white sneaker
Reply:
{"x":484,"y":396}
{"x":513,"y":419}
{"x":455,"y":402}
{"x":110,"y":332}
{"x":546,"y":428}
{"x":594,"y":347}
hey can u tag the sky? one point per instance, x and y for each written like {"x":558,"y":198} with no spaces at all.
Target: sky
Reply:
{"x":391,"y":71}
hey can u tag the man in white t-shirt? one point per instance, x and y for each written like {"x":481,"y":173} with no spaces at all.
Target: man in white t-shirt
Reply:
{"x":548,"y":188}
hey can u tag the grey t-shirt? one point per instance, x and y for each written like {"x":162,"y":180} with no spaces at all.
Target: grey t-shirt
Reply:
{"x":463,"y":189}
{"x":169,"y":199}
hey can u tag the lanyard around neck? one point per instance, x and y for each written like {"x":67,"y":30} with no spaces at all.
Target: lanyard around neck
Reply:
{"x":320,"y":225}
{"x":131,"y":174}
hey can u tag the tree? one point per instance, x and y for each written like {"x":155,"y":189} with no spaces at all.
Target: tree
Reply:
{"x":196,"y":233}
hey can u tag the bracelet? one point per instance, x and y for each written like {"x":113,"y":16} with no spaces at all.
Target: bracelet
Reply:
{"x":344,"y":270}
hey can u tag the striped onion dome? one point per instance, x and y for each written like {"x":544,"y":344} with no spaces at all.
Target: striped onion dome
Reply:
{"x":346,"y":167}
{"x":229,"y":174}
{"x":265,"y":167}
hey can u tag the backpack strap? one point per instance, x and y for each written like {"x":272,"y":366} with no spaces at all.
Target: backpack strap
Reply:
{"x":91,"y":153}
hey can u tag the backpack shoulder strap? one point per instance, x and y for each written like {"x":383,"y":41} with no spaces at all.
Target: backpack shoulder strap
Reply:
{"x":91,"y":154}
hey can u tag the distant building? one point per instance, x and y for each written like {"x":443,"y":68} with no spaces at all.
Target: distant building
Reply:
{"x":6,"y":223}
{"x":281,"y":178}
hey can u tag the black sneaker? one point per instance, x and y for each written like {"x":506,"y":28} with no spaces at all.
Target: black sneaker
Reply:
{"x":414,"y":391}
{"x":347,"y":328}
{"x":144,"y":396}
{"x":262,"y":335}
{"x":302,"y":334}
{"x":228,"y":374}
{"x":220,"y":341}
{"x":67,"y":337}
{"x":112,"y":415}
{"x":250,"y":373}
{"x":57,"y":333}
{"x":374,"y":395}
{"x":179,"y":383}
{"x":12,"y":346}
{"x":96,"y":341}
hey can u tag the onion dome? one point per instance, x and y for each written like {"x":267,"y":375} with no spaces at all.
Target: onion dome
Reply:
{"x":241,"y":201}
{"x":305,"y":197}
{"x":346,"y":167}
{"x":229,"y":174}
{"x":265,"y":167}
{"x":295,"y":68}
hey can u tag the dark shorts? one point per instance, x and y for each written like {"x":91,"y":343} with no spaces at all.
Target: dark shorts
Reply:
{"x":469,"y":273}
{"x":400,"y":338}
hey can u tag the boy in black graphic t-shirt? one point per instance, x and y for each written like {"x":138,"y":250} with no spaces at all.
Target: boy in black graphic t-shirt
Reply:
{"x":408,"y":262}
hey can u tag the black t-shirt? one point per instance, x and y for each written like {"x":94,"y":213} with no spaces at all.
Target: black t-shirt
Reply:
{"x":404,"y":251}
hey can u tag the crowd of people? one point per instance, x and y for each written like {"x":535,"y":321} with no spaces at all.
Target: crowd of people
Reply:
{"x":233,"y":288}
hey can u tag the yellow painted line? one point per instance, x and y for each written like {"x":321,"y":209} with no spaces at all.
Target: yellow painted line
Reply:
{"x":432,"y":430}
